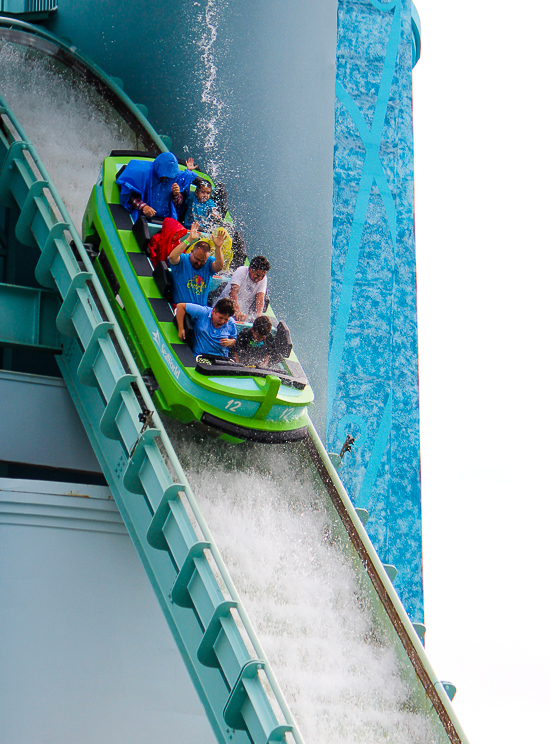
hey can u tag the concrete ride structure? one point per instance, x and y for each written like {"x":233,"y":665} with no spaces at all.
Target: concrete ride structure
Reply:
{"x":111,"y":574}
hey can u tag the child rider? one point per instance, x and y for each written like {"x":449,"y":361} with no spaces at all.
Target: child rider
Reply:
{"x":255,"y":346}
{"x":198,"y":207}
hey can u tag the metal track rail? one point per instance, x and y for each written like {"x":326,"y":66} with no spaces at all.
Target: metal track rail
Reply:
{"x":436,"y":696}
{"x":210,"y":626}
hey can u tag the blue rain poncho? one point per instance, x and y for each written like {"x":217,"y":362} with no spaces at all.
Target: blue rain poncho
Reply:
{"x":185,"y":179}
{"x":152,"y":182}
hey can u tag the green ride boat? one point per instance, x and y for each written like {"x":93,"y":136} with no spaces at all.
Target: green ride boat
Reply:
{"x":235,"y":401}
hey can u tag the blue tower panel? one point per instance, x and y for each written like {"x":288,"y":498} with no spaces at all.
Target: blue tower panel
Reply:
{"x":373,"y":358}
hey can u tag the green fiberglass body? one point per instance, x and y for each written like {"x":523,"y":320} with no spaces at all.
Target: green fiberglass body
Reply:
{"x":238,"y":402}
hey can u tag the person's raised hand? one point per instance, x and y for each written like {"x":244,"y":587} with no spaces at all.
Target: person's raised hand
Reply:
{"x":190,"y":164}
{"x":194,"y":233}
{"x":218,"y":237}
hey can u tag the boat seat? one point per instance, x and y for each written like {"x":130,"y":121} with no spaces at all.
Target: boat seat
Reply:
{"x":283,"y":342}
{"x":163,"y":279}
{"x":162,"y":309}
{"x":141,"y":233}
{"x":154,"y":227}
{"x":121,"y":216}
{"x":188,"y":328}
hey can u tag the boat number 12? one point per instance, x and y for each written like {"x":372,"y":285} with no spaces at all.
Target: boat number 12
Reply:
{"x":286,"y":414}
{"x":233,"y":405}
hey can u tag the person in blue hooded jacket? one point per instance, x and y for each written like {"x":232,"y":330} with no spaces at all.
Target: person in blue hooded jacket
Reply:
{"x":150,"y":188}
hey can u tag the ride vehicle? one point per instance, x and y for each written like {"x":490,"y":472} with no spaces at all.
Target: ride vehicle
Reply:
{"x":236,"y":401}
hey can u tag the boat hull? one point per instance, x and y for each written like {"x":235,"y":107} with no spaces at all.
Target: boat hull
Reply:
{"x":263,"y":407}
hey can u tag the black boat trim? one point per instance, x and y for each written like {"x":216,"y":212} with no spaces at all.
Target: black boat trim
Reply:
{"x":255,"y":435}
{"x":223,"y":367}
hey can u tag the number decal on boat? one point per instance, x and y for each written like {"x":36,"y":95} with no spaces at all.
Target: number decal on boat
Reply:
{"x":233,"y":405}
{"x":285,"y":414}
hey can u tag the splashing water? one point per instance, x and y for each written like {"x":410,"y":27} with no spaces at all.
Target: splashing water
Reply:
{"x":279,"y":536}
{"x":287,"y":555}
{"x":70,"y":125}
{"x":209,"y":124}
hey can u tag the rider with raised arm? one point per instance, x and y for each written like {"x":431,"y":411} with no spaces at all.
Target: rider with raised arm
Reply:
{"x":192,"y":272}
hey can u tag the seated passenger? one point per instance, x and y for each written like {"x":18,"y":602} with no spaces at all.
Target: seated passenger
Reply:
{"x":147,"y":187}
{"x":199,"y":207}
{"x":247,"y":288}
{"x":256,"y":346}
{"x":163,"y":243}
{"x":192,"y":272}
{"x":171,"y":235}
{"x":214,"y":328}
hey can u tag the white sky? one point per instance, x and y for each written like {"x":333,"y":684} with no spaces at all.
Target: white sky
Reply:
{"x":482,"y":199}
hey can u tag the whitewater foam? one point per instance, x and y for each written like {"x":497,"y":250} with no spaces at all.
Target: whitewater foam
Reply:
{"x":70,"y":125}
{"x":305,"y":593}
{"x":284,"y":546}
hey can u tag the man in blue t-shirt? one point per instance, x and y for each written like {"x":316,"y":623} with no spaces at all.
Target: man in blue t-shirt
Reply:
{"x":192,"y":272}
{"x":215,"y":329}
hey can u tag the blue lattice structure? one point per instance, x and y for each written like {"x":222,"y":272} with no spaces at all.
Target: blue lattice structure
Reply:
{"x":373,"y":358}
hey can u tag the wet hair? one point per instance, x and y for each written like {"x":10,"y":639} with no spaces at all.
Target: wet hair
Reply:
{"x":260,"y":263}
{"x":201,"y":245}
{"x":201,"y":184}
{"x":262,"y":326}
{"x":225,"y":306}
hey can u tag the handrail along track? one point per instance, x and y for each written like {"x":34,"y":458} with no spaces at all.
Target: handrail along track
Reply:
{"x":196,"y":593}
{"x":200,"y":602}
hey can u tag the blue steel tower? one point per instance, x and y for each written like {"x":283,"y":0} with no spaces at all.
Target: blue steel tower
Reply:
{"x":373,"y":358}
{"x":93,"y":480}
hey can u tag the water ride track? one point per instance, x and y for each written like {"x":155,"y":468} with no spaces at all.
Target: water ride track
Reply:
{"x":34,"y":37}
{"x":209,"y":623}
{"x":381,"y":582}
{"x":194,"y":589}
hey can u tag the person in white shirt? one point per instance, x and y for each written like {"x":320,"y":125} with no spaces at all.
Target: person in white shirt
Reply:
{"x":247,"y":288}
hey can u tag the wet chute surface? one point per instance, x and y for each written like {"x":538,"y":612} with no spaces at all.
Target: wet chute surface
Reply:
{"x":339,"y":660}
